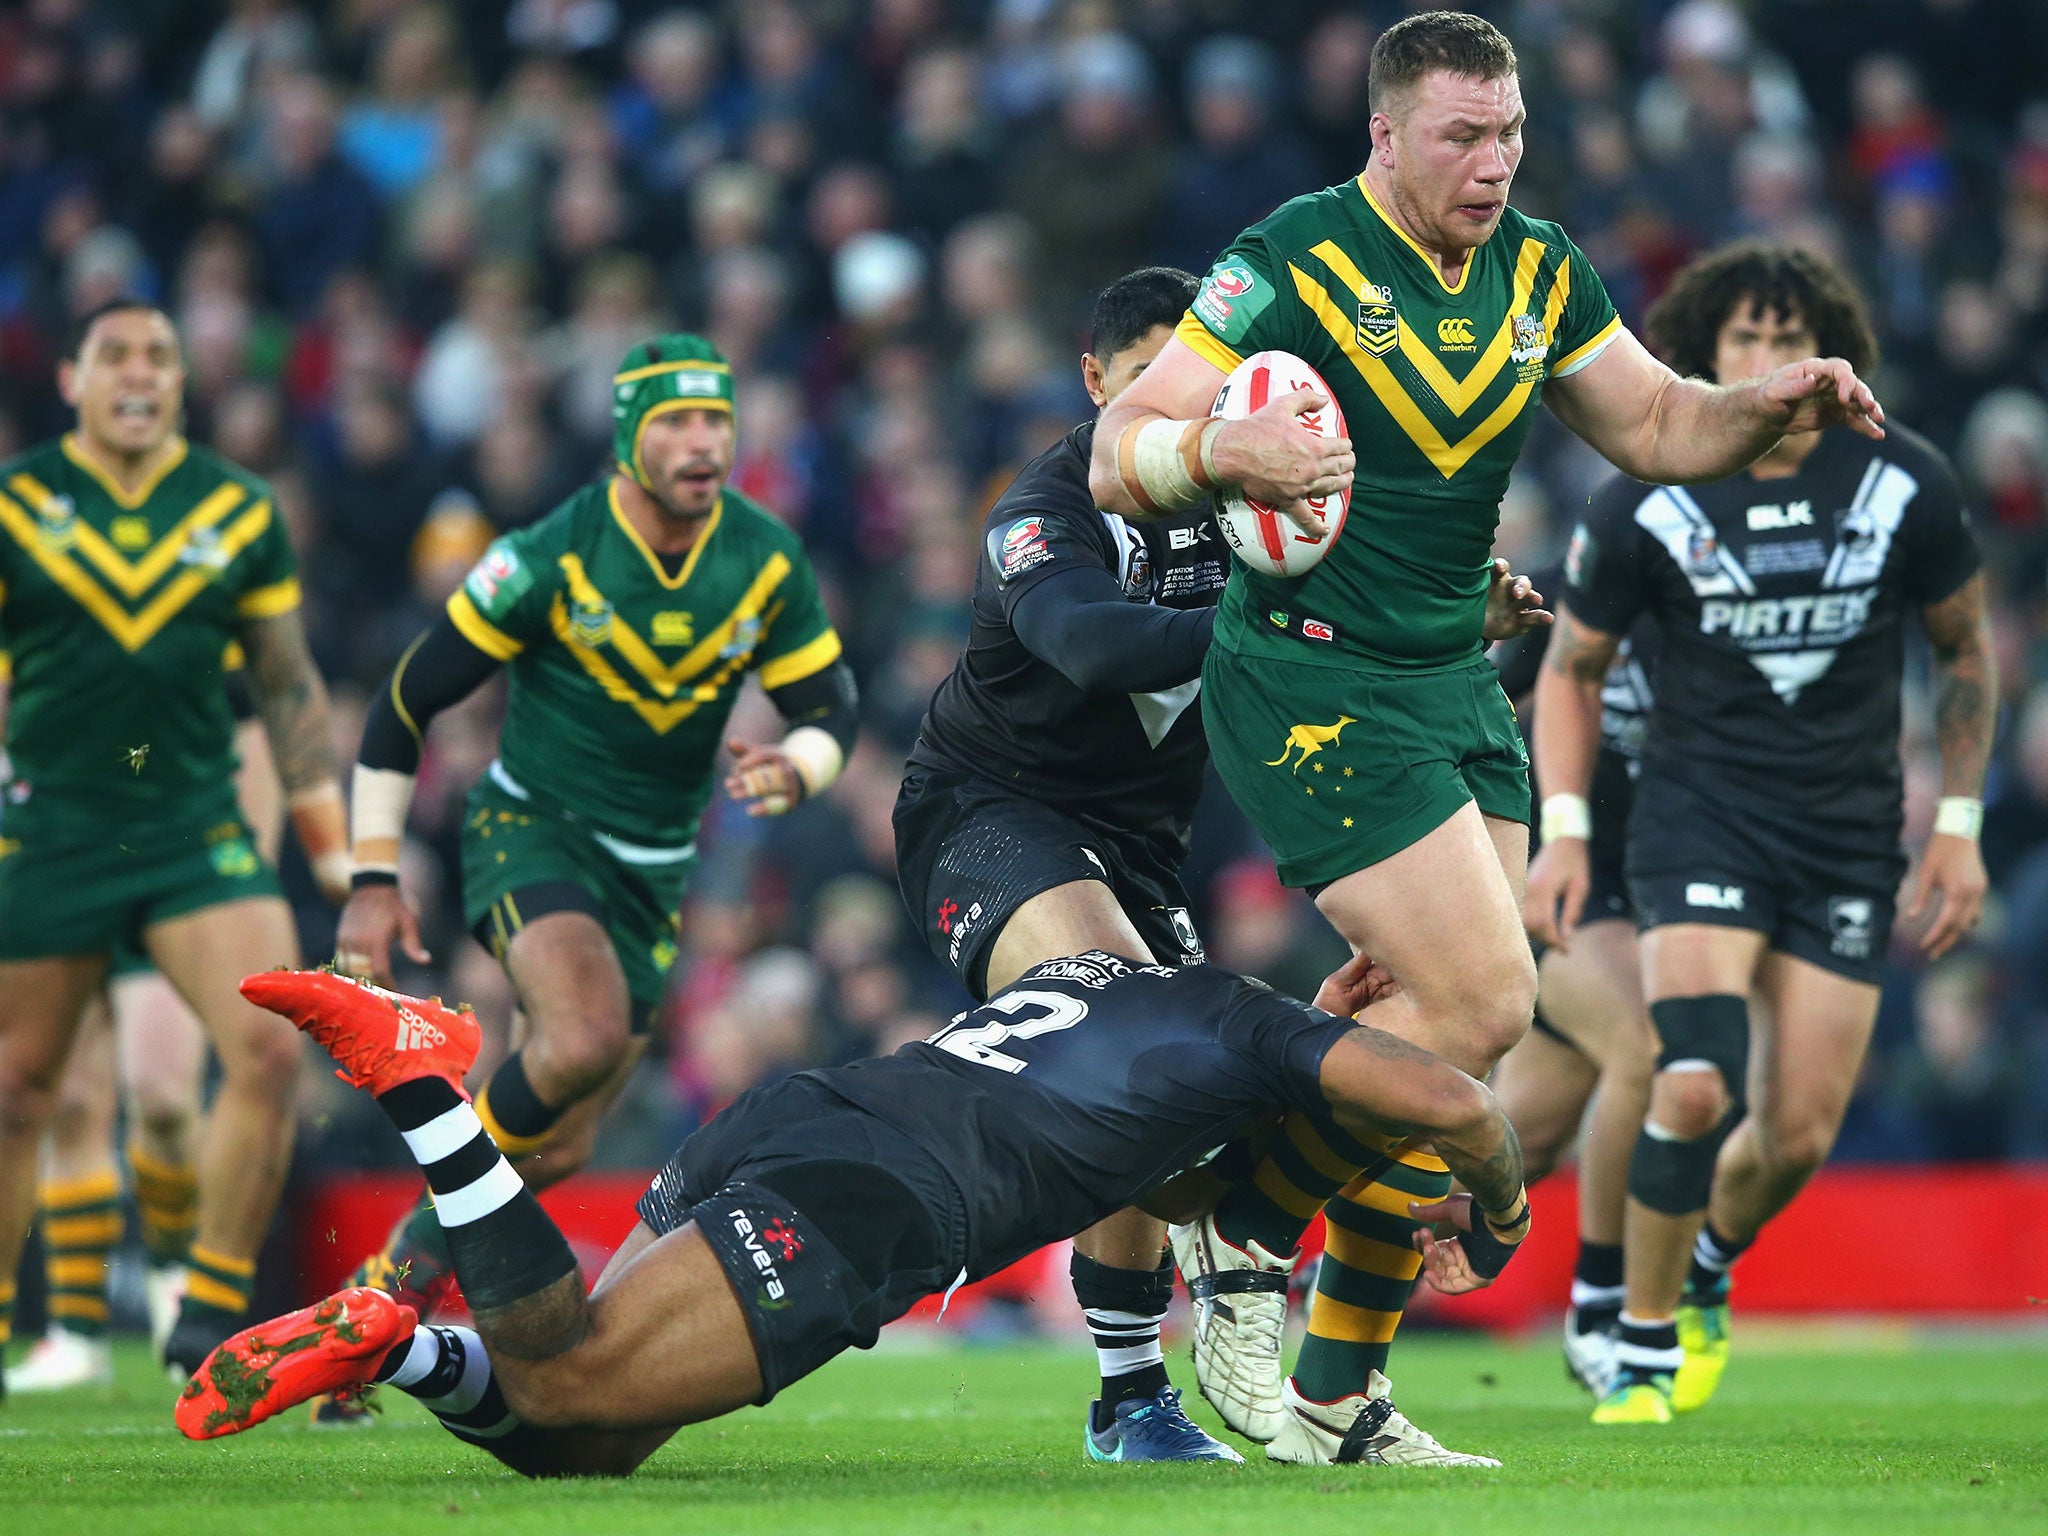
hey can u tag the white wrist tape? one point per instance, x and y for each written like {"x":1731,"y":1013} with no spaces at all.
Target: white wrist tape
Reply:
{"x":379,"y":801}
{"x":1959,"y":816}
{"x":1566,"y":816}
{"x":815,"y":756}
{"x":1169,"y":466}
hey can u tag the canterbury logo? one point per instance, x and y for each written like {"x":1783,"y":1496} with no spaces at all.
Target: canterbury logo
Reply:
{"x":1311,"y":739}
{"x":1456,"y":332}
{"x":416,"y":1034}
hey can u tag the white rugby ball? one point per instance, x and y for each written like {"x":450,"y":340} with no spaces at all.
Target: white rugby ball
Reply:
{"x":1262,"y":538}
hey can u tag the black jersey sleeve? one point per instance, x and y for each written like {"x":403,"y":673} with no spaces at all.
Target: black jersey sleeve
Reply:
{"x":1078,"y":622}
{"x":440,"y":668}
{"x":1941,"y":551}
{"x":1606,"y":572}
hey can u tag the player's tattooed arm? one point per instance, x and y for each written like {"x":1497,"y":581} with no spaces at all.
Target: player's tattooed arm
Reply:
{"x":1965,"y":685}
{"x":292,"y":701}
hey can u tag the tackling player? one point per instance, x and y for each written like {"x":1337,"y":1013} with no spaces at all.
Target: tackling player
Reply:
{"x":1439,"y":317}
{"x":813,"y":1211}
{"x":627,"y":620}
{"x":1763,"y":852}
{"x":129,"y":560}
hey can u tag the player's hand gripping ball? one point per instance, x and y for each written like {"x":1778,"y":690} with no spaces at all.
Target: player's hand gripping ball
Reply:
{"x":1263,"y":537}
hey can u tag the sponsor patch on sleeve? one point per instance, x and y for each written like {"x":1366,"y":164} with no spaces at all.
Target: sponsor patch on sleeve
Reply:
{"x":1018,"y":548}
{"x":1577,"y":555}
{"x":498,"y":580}
{"x":1231,"y":298}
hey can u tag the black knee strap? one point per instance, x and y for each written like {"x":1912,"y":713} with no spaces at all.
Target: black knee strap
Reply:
{"x":1713,"y":1029}
{"x":1104,"y":1288}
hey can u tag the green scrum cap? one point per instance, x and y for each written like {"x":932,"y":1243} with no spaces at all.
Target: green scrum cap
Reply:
{"x":676,"y":372}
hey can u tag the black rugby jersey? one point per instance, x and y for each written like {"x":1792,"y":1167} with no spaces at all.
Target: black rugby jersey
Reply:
{"x":1089,"y":1081}
{"x":1130,"y":761}
{"x":1780,"y":607}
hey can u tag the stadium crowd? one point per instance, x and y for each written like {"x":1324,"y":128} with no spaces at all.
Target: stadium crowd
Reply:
{"x":407,"y":241}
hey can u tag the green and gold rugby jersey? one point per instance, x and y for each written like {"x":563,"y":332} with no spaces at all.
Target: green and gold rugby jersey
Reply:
{"x":118,"y":611}
{"x":622,"y":676}
{"x":1438,"y":383}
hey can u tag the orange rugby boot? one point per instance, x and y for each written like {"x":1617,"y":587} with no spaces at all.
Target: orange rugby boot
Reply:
{"x":333,"y":1345}
{"x":379,"y":1039}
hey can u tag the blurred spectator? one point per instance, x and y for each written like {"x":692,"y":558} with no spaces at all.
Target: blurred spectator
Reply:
{"x":943,"y":158}
{"x":319,"y":214}
{"x":259,"y":41}
{"x":663,"y":113}
{"x":392,"y":135}
{"x":1238,"y":168}
{"x":1958,"y":1082}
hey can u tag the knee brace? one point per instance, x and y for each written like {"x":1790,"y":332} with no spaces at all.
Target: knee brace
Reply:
{"x":1672,"y":1176}
{"x":1711,"y":1031}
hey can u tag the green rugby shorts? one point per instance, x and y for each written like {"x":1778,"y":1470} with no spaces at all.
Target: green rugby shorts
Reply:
{"x":1339,"y":769}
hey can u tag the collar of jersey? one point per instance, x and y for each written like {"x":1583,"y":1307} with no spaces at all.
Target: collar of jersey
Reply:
{"x":127,"y":501}
{"x":681,"y":577}
{"x":1408,"y":240}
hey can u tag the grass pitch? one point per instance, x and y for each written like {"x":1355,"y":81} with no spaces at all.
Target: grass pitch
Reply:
{"x":1883,"y":1433}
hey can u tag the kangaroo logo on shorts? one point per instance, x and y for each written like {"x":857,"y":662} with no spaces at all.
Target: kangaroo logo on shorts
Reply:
{"x":1850,"y":921}
{"x":1311,"y":739}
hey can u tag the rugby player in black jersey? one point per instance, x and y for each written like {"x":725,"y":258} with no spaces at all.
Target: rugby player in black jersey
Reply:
{"x":811,"y":1212}
{"x":1590,"y":1051}
{"x":1763,"y":851}
{"x":1048,"y":801}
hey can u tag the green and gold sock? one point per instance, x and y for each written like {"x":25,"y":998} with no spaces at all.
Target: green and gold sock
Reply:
{"x":217,"y":1284}
{"x":167,"y":1199}
{"x":81,"y":1226}
{"x":1368,"y":1271}
{"x":1306,"y":1164}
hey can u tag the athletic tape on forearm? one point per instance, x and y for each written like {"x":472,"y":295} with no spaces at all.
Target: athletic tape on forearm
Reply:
{"x":322,"y":832}
{"x":1169,"y":466}
{"x":1959,"y":816}
{"x":379,"y":801}
{"x":815,"y":755}
{"x":1566,"y":816}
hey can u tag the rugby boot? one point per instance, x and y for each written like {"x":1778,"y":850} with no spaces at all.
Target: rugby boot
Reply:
{"x":378,"y":1039}
{"x":1589,"y":1357}
{"x":332,"y":1345}
{"x":61,"y":1360}
{"x":1703,"y":1335}
{"x":413,"y":1277}
{"x":1364,"y":1429}
{"x":1636,"y":1399}
{"x":1240,"y":1316}
{"x":1153,"y":1428}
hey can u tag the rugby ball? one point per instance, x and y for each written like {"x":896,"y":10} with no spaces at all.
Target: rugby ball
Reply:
{"x":1261,"y":537}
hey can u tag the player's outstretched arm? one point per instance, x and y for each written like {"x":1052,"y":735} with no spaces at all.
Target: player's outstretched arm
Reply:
{"x":292,"y":701}
{"x":1950,"y":875}
{"x":1567,"y":740}
{"x":440,"y":668}
{"x":1658,"y":427}
{"x":1159,"y":451}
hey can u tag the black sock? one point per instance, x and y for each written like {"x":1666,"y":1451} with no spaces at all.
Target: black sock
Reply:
{"x":1124,"y":1307}
{"x":1597,"y":1290}
{"x":503,"y":1244}
{"x":1707,"y":1276}
{"x":512,"y":1112}
{"x":1646,"y":1350}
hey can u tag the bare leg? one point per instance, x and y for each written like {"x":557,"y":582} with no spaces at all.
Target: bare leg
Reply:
{"x":81,"y":1136}
{"x":162,"y":1049}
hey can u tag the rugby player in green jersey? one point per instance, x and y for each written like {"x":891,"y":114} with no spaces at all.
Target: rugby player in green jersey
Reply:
{"x":1439,"y":317}
{"x":627,"y":620}
{"x":129,"y":560}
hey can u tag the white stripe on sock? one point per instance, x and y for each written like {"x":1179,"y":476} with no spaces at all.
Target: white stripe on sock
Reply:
{"x":444,"y":1135}
{"x":419,"y":1360}
{"x":474,"y":1201}
{"x":1106,"y":1321}
{"x":1584,"y":1295}
{"x":1708,"y":1255}
{"x":1644,"y":1358}
{"x":1121,"y":1362}
{"x":503,"y":1427}
{"x":468,"y":1390}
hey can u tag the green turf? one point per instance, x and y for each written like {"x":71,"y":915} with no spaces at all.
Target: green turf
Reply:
{"x":1889,"y":1438}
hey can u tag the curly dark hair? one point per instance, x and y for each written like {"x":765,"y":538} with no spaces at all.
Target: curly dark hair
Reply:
{"x":1683,"y":324}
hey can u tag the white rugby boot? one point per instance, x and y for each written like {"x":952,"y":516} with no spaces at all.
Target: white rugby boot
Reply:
{"x":62,"y":1360}
{"x":1240,"y":1316}
{"x":1589,"y":1358}
{"x":1364,"y":1428}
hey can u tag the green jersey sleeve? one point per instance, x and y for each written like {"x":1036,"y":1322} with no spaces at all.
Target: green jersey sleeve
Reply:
{"x":1246,"y":304}
{"x":502,"y":604}
{"x":266,"y":574}
{"x":800,"y":638}
{"x":1589,"y":321}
